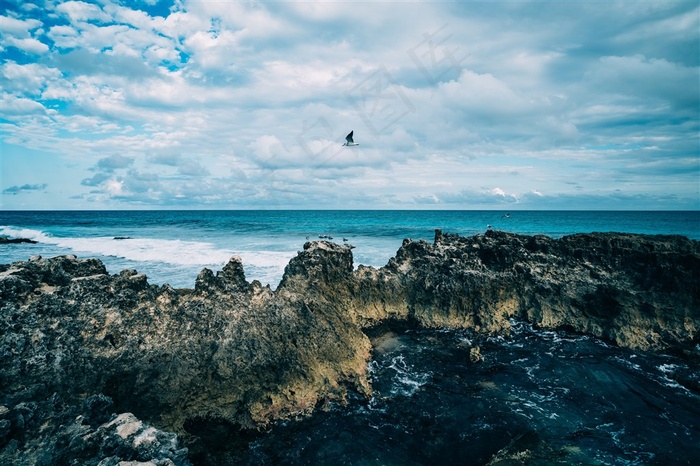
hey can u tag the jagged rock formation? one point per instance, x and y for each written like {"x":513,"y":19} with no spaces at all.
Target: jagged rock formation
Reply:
{"x":639,"y":291}
{"x":227,"y":352}
{"x":229,"y":356}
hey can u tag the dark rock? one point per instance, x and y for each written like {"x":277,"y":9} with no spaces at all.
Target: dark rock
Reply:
{"x":232,"y":277}
{"x":229,"y":357}
{"x":127,"y":438}
{"x":205,"y":281}
{"x":230,"y":280}
{"x":320,"y":263}
{"x":7,"y":240}
{"x":237,"y":353}
{"x":639,"y":291}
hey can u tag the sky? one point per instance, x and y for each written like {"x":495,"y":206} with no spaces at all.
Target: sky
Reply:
{"x":162,"y":104}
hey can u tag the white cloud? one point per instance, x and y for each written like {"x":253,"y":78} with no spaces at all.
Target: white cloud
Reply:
{"x":159,"y":53}
{"x":213,"y":50}
{"x":28,"y":45}
{"x":325,"y":12}
{"x":137,"y":19}
{"x":64,"y":36}
{"x":297,"y":81}
{"x":232,"y":102}
{"x":269,"y":152}
{"x":18,"y":33}
{"x":180,"y":25}
{"x":30,"y":78}
{"x":253,"y":18}
{"x":485,"y":94}
{"x":80,"y":11}
{"x":114,"y":187}
{"x":12,"y":105}
{"x":17,"y":27}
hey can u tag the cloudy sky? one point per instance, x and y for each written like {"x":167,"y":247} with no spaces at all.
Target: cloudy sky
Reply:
{"x":156,"y":104}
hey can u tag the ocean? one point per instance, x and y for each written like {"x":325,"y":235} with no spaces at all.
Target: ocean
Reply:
{"x":173,"y":246}
{"x":538,"y":397}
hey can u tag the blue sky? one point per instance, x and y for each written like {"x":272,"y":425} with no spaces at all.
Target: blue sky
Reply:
{"x":456,"y":105}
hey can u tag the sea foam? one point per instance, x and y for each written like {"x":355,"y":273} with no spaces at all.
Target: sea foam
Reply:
{"x":176,"y":252}
{"x":266,"y":266}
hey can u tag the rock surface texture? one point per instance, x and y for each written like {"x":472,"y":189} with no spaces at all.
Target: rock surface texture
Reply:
{"x":81,"y":350}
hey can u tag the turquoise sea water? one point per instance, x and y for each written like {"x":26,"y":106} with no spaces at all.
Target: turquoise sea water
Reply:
{"x":173,"y":246}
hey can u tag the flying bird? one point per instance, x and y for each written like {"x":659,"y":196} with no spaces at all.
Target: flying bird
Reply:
{"x":349,"y":141}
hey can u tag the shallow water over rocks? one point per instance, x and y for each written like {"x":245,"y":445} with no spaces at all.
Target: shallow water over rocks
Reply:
{"x":537,"y":397}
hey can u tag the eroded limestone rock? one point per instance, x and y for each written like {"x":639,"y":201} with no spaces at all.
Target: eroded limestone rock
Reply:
{"x":230,"y":356}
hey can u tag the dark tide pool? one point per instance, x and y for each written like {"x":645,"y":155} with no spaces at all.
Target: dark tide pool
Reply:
{"x":538,"y":397}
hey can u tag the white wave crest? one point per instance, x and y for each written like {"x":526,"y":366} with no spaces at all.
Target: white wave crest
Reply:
{"x":166,"y":251}
{"x":406,"y":381}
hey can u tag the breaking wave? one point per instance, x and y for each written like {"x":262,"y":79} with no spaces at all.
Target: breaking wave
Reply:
{"x":266,"y":266}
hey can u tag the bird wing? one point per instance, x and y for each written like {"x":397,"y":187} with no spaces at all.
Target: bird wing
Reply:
{"x":348,"y":138}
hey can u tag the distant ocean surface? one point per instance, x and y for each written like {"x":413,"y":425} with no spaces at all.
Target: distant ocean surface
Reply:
{"x":173,"y":246}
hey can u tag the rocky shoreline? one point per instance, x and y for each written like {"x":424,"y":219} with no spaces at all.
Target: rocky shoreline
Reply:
{"x":100,"y":368}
